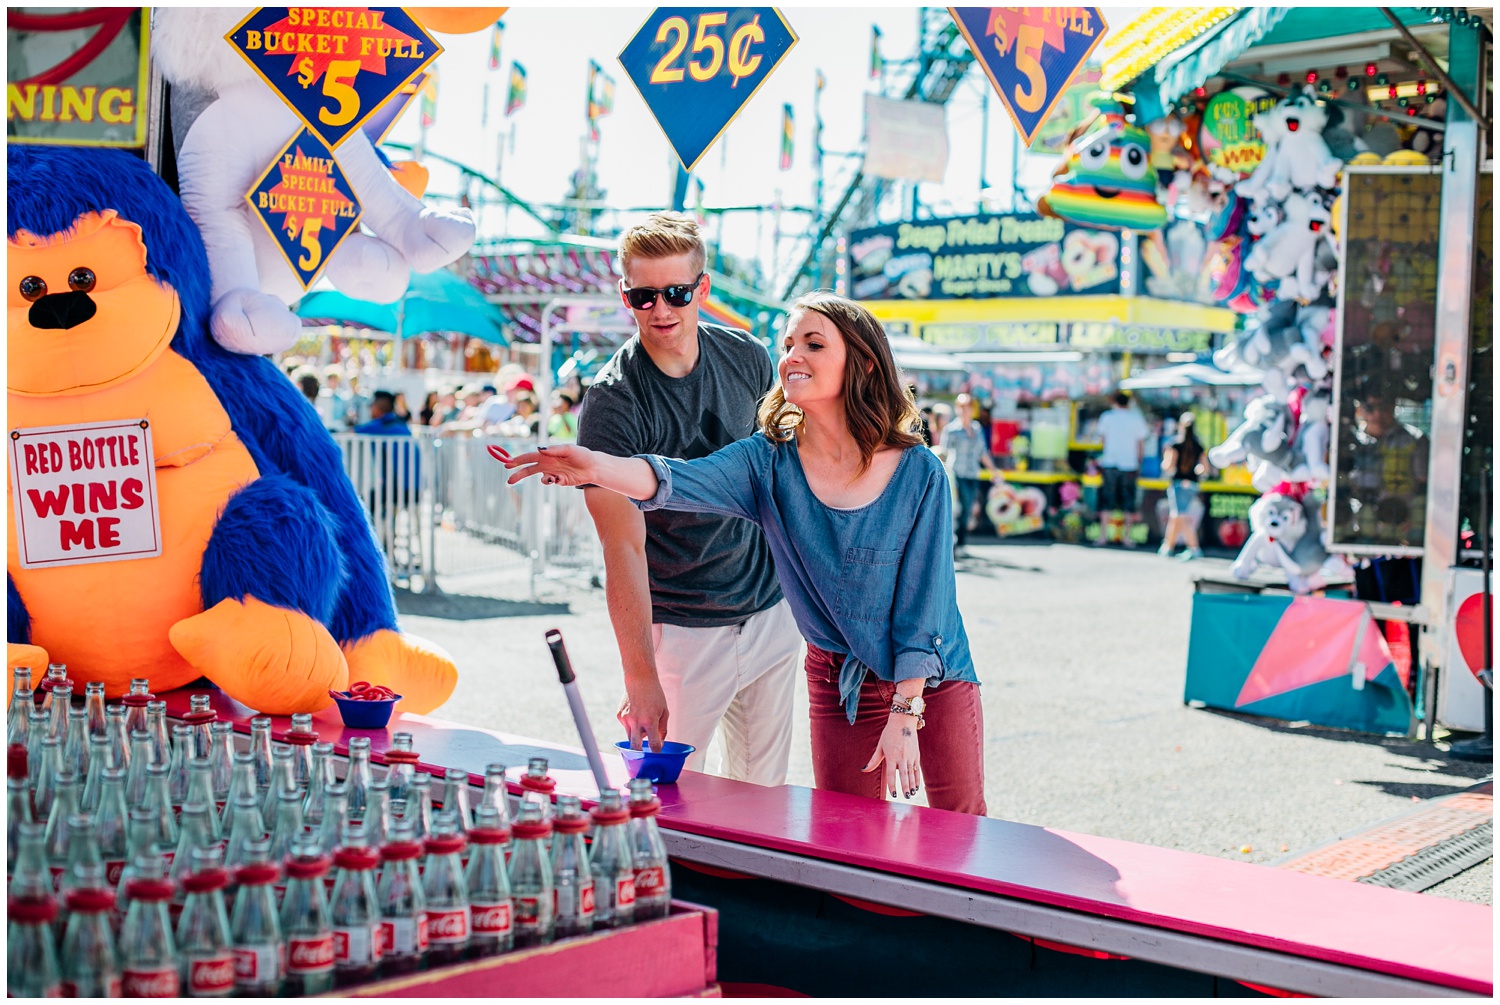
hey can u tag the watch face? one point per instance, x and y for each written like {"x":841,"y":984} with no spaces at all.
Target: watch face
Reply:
{"x":918,"y":705}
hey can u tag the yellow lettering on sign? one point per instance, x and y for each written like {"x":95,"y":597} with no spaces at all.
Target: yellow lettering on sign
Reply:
{"x":252,"y":40}
{"x":78,"y":104}
{"x":20,"y":104}
{"x":49,"y":92}
{"x":116,"y":105}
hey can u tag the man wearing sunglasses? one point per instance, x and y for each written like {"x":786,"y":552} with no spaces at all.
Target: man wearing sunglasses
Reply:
{"x":706,"y":640}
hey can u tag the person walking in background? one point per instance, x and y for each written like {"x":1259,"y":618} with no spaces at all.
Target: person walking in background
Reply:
{"x":706,"y":639}
{"x":429,"y":409}
{"x":965,"y":447}
{"x":1123,"y":431}
{"x":396,"y":477}
{"x":1183,"y":463}
{"x":857,"y":512}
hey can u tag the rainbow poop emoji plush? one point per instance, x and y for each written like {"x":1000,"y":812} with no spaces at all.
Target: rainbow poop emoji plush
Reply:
{"x":212,"y":531}
{"x":1107,"y":180}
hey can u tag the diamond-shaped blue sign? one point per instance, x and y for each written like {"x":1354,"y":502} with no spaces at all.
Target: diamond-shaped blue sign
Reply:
{"x":697,"y":67}
{"x":1030,"y":54}
{"x":335,"y":66}
{"x":306,"y":203}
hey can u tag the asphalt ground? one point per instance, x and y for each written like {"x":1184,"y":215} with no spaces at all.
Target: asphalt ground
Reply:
{"x":1081,"y":653}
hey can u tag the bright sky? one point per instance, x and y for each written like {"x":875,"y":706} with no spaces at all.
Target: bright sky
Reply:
{"x":636,"y":164}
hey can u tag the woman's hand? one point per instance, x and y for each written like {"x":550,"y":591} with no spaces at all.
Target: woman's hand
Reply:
{"x":898,"y":749}
{"x":563,"y":464}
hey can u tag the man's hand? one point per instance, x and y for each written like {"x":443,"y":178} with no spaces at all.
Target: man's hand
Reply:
{"x":643,"y":713}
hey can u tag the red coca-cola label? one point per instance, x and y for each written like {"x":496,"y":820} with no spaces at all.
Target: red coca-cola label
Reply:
{"x":586,"y":899}
{"x":312,"y":954}
{"x":257,"y":964}
{"x":448,"y":927}
{"x":490,"y":919}
{"x":159,"y":983}
{"x":112,"y":870}
{"x":625,"y":891}
{"x":649,"y":881}
{"x":359,"y":944}
{"x":212,"y":975}
{"x":403,"y":936}
{"x":529,"y":910}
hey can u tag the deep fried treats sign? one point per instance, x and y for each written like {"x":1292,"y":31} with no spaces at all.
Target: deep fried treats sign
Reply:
{"x":306,"y":203}
{"x":85,"y":493}
{"x":334,"y":66}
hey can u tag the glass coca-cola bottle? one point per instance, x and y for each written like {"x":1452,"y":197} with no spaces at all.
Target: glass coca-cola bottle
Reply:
{"x":193,"y":837}
{"x":18,"y":719}
{"x":177,"y":771}
{"x":135,"y":701}
{"x":139,"y":763}
{"x":148,"y":952}
{"x":571,"y":880}
{"x":20,"y":680}
{"x":36,"y":732}
{"x":531,"y":877}
{"x":200,"y":715}
{"x":30,"y":876}
{"x":221,"y":763}
{"x":242,"y":783}
{"x":653,"y":880}
{"x":119,"y":736}
{"x":260,"y":751}
{"x":76,"y":746}
{"x":287,"y":828}
{"x":89,"y":965}
{"x":490,"y":905}
{"x":305,"y":922}
{"x":335,"y":816}
{"x":401,"y":768}
{"x":318,"y":782}
{"x":377,"y":818}
{"x":201,"y":791}
{"x":48,"y":766}
{"x":403,"y":907}
{"x":60,"y":819}
{"x":537,"y":787}
{"x":114,"y":824}
{"x":31,"y":969}
{"x":419,"y":804}
{"x":156,"y":725}
{"x":495,"y":794}
{"x":203,"y":938}
{"x":17,"y":802}
{"x":58,"y":701}
{"x":446,"y":891}
{"x":83,"y":858}
{"x":57,"y":676}
{"x":99,"y":757}
{"x":611,"y":863}
{"x":159,"y":801}
{"x":456,"y":798}
{"x":301,"y":738}
{"x":358,"y":776}
{"x":93,"y":707}
{"x":245,"y":826}
{"x":140,"y":853}
{"x":283,"y":779}
{"x":255,"y":925}
{"x":354,"y":909}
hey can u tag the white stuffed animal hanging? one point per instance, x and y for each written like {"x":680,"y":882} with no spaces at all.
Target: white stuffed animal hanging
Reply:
{"x":1287,"y":534}
{"x":1297,"y":158}
{"x":1289,"y":253}
{"x":227,"y":147}
{"x":1281,"y":346}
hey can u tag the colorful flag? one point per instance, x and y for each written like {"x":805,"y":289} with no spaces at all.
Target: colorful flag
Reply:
{"x":429,"y":99}
{"x":877,"y":62}
{"x":517,"y":98}
{"x":496,"y":34}
{"x":819,"y":81}
{"x":601,"y":97}
{"x":787,"y":136}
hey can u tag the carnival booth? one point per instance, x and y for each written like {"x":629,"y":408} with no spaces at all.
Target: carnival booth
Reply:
{"x":1337,"y":162}
{"x":254,"y":793}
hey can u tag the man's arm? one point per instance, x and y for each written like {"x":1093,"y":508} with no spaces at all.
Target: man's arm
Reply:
{"x":622,"y":532}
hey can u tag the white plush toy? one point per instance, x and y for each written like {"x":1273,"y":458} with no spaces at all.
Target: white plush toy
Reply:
{"x":1297,"y":157}
{"x":227,"y":147}
{"x":1287,"y":534}
{"x":1289,"y":253}
{"x":1311,"y":443}
{"x":1280,"y":346}
{"x":1264,"y":441}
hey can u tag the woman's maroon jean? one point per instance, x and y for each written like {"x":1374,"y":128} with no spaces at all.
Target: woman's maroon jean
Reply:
{"x":951,"y":744}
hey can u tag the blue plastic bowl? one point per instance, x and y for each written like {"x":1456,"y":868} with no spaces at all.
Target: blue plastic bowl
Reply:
{"x":662,"y":768}
{"x":365,"y":714}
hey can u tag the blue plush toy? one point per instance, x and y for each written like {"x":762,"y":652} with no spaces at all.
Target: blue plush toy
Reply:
{"x":269,"y":580}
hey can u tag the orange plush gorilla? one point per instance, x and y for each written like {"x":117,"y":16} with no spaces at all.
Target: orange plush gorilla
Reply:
{"x":265,"y":576}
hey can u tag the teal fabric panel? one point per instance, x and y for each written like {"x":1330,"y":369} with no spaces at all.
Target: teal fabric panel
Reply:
{"x":1227,"y":633}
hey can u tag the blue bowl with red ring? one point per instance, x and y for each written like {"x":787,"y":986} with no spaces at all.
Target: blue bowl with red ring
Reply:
{"x":365,"y":713}
{"x":662,"y":768}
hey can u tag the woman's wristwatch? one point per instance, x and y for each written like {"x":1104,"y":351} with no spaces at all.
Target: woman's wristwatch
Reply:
{"x":914,"y":707}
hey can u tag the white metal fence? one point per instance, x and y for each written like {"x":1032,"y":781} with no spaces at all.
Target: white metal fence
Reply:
{"x":440,"y":506}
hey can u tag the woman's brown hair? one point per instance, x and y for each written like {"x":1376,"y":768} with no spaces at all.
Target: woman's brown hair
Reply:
{"x":879,"y":409}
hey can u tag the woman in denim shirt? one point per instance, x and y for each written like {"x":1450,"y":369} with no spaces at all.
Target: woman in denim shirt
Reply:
{"x":858,"y":517}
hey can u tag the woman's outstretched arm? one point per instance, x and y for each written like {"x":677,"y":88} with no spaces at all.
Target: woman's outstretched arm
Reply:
{"x":569,"y":464}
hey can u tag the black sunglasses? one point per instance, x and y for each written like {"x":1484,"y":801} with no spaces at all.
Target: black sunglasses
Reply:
{"x":643,"y":298}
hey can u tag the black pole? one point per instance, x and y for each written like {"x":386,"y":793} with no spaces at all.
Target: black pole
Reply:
{"x":1482,"y":748}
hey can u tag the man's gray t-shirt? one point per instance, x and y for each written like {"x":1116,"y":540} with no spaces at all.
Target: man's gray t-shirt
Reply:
{"x":705,"y":571}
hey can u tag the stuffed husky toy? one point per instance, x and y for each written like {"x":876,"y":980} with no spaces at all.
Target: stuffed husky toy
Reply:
{"x":1287,"y":534}
{"x":1297,"y":158}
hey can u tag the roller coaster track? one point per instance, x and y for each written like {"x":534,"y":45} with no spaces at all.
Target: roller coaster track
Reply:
{"x":942,"y":59}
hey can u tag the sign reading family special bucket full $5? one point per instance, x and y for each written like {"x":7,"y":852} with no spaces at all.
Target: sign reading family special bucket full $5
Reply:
{"x":986,"y":255}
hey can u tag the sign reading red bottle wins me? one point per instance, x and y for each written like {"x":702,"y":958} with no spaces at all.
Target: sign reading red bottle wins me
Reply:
{"x":306,"y":203}
{"x":84,"y":493}
{"x":334,"y":66}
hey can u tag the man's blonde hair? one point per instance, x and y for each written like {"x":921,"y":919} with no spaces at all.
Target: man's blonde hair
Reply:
{"x":663,"y":235}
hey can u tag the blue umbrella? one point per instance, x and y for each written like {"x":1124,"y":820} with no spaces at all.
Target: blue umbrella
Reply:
{"x":437,"y":302}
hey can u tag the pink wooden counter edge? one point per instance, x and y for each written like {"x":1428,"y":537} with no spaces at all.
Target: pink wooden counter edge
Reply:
{"x":1442,"y":942}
